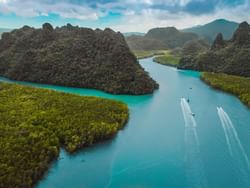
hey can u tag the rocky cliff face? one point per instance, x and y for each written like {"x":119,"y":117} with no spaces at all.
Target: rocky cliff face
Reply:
{"x":218,"y":42}
{"x":241,"y":36}
{"x":73,"y":56}
{"x":231,"y":57}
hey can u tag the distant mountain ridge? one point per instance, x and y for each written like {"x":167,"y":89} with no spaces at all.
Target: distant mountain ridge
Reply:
{"x":160,"y":39}
{"x":210,"y":30}
{"x":225,"y":56}
{"x":142,"y":43}
{"x":171,"y":36}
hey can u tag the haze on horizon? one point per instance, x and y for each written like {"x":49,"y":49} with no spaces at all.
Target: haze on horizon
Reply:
{"x":121,"y":15}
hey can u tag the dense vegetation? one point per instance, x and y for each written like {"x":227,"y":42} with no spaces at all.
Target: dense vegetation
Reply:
{"x":170,"y":36}
{"x":36,"y":122}
{"x":189,"y":49}
{"x":210,"y":30}
{"x":73,"y":56}
{"x":239,"y":86}
{"x":230,"y":57}
{"x":160,"y":39}
{"x":168,"y":59}
{"x":142,"y":43}
{"x":194,"y":47}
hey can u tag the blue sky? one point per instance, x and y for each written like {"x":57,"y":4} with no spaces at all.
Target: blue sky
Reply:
{"x":122,"y":15}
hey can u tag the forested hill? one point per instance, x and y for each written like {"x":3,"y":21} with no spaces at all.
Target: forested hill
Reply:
{"x":171,"y":36}
{"x":227,"y":56}
{"x":160,"y":39}
{"x":210,"y":30}
{"x":73,"y":56}
{"x":144,"y":43}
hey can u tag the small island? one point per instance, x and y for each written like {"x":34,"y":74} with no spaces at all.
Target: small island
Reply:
{"x":35,"y":123}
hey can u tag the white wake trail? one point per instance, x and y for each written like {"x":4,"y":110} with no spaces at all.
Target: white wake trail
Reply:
{"x":236,"y":137}
{"x":187,"y":113}
{"x":194,"y":166}
{"x":230,"y":130}
{"x":189,"y":119}
{"x":184,"y":114}
{"x":225,"y":129}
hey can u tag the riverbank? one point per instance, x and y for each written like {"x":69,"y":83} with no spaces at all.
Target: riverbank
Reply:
{"x":143,"y":54}
{"x":236,"y":85}
{"x":131,"y":157}
{"x":35,"y":123}
{"x":167,"y":59}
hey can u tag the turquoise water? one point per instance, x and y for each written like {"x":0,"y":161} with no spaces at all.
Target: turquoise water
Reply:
{"x":159,"y":147}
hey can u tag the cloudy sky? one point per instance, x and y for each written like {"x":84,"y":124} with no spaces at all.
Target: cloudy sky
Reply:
{"x":121,"y":15}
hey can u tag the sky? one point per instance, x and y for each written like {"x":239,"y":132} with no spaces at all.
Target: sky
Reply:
{"x":121,"y":15}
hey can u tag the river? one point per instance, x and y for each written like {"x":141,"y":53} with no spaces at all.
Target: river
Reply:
{"x":184,"y":135}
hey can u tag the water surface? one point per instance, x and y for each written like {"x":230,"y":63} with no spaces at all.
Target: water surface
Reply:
{"x":167,"y":142}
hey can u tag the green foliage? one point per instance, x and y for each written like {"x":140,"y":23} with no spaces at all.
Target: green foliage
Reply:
{"x":190,"y":51}
{"x":142,"y":43}
{"x":230,"y":57}
{"x":36,"y":122}
{"x":167,"y":59}
{"x":75,"y":57}
{"x":194,"y":47}
{"x":209,"y":31}
{"x":239,"y":86}
{"x":170,"y":36}
{"x":160,"y":39}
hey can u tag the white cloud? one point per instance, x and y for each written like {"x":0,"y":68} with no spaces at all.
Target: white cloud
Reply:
{"x":151,"y":18}
{"x":137,"y":15}
{"x":3,"y":1}
{"x":30,"y":8}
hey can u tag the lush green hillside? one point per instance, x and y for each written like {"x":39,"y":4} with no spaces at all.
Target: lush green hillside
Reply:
{"x":194,"y":47}
{"x":209,"y":31}
{"x":140,"y":43}
{"x":160,"y":39}
{"x":239,"y":86}
{"x":35,"y":123}
{"x":231,"y":57}
{"x":170,"y":36}
{"x":168,"y":59}
{"x":73,"y":56}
